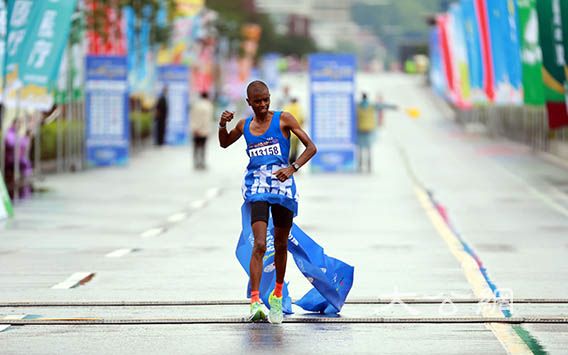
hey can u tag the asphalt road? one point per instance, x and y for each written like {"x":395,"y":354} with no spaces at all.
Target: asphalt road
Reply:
{"x":158,"y":231}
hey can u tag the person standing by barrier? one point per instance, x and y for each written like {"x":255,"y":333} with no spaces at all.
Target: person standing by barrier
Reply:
{"x":268,"y":185}
{"x":295,"y":110}
{"x":366,"y":125}
{"x":160,"y":117}
{"x":200,"y":117}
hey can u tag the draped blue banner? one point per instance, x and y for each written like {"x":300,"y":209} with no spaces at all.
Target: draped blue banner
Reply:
{"x":332,"y":278}
{"x":473,"y":47}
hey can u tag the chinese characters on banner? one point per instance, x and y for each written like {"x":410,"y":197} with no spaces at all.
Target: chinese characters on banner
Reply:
{"x":332,"y":88}
{"x":176,"y":79}
{"x":37,"y":35}
{"x":106,"y":105}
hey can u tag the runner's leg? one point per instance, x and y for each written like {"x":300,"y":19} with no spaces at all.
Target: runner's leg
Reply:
{"x":259,"y":219}
{"x":282,"y":224}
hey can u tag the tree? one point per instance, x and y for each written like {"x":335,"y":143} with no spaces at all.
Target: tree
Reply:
{"x":233,"y":14}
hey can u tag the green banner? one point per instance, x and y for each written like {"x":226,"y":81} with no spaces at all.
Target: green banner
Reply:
{"x":37,"y":35}
{"x":5,"y":203}
{"x":47,"y":37}
{"x":531,"y":53}
{"x":552,"y":45}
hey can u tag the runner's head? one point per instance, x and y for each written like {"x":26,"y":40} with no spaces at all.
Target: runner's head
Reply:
{"x":258,"y":97}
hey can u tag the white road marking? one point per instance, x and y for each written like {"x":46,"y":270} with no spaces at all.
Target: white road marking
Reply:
{"x":119,"y":252}
{"x":177,"y":217}
{"x":3,"y":327}
{"x":547,"y":200}
{"x":197,"y":204}
{"x":74,"y":280}
{"x":152,"y":232}
{"x":212,"y":193}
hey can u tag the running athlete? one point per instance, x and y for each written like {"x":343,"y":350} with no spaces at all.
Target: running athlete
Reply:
{"x":268,"y":184}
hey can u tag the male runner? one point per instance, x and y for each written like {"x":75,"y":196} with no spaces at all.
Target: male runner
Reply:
{"x":268,"y":183}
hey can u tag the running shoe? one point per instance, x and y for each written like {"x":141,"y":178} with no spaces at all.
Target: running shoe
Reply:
{"x":256,"y":312}
{"x":275,"y":315}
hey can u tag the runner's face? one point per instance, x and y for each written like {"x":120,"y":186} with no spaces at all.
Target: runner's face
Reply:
{"x":259,"y":101}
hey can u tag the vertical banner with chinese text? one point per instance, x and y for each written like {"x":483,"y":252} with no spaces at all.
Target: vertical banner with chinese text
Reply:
{"x":333,"y":125}
{"x":176,"y":79}
{"x":37,"y":36}
{"x":106,"y":106}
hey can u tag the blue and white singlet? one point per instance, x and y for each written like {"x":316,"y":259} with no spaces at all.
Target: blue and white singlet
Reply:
{"x":268,"y":153}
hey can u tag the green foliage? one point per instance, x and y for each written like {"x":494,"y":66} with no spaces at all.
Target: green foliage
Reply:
{"x":398,"y":21}
{"x":49,"y":133}
{"x":144,"y":121}
{"x":74,"y":128}
{"x":235,"y":13}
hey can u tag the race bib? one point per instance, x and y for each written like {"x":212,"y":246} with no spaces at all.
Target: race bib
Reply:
{"x":272,"y":149}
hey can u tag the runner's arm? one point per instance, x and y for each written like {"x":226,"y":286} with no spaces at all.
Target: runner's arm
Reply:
{"x":227,"y":138}
{"x":295,"y":128}
{"x":292,"y":124}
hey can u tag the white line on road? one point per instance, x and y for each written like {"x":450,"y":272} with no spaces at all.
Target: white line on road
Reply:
{"x":212,"y":193}
{"x":177,"y":217}
{"x":119,"y":252}
{"x":197,"y":204}
{"x":74,"y":280}
{"x":3,"y":327}
{"x":536,"y":193}
{"x":153,"y":232}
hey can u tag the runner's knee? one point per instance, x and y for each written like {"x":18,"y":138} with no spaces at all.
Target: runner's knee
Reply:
{"x":259,"y":247}
{"x":281,"y":246}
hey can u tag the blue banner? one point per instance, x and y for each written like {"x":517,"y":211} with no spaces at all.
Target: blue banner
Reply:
{"x":505,"y":50}
{"x":499,"y":28}
{"x":139,"y":63}
{"x":514,"y":62}
{"x":106,"y":106}
{"x":333,"y":120}
{"x":332,"y":278}
{"x":437,"y":77}
{"x":473,"y":47}
{"x":176,"y":79}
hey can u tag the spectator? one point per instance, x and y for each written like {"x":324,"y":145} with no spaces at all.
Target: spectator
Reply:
{"x":201,"y":117}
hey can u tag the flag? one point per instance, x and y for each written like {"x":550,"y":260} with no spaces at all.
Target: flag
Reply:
{"x":457,"y":44}
{"x":332,"y":278}
{"x":5,"y":202}
{"x":531,"y":54}
{"x":474,"y":52}
{"x":486,"y":49}
{"x":437,"y":78}
{"x":554,"y":62}
{"x":37,"y":35}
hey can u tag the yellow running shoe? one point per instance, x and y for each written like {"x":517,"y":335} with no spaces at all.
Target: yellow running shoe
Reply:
{"x":256,"y":312}
{"x":275,"y":315}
